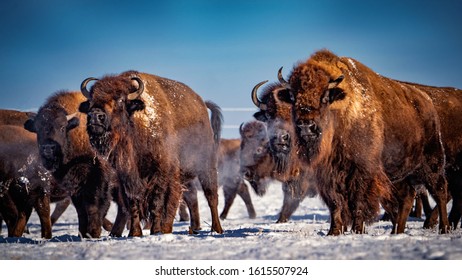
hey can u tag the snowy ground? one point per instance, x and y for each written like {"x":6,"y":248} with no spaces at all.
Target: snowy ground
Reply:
{"x":303,"y":238}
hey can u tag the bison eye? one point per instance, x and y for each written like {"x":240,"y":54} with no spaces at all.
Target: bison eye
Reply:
{"x":259,"y":150}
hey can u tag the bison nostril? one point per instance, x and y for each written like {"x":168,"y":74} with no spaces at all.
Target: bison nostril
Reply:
{"x":48,"y":149}
{"x":312,"y":127}
{"x":101,"y":117}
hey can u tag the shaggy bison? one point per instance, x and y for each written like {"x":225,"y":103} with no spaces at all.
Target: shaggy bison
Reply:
{"x":24,"y":184}
{"x":259,"y":168}
{"x":368,"y":138}
{"x":65,"y":151}
{"x":157,"y":135}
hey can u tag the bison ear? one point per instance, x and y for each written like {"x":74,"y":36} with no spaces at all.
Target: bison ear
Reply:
{"x":286,"y":96}
{"x":135,"y":105}
{"x":72,"y":123}
{"x":336,"y":82}
{"x":30,"y":125}
{"x":333,"y":93}
{"x":84,"y":107}
{"x":260,"y":116}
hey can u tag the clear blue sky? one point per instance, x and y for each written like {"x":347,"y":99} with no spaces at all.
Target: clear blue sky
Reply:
{"x":219,"y":48}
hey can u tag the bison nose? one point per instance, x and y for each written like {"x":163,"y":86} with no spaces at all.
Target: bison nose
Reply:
{"x":97,"y":117}
{"x":245,"y":172}
{"x":48,"y":150}
{"x":283,"y":137}
{"x":309,"y":131}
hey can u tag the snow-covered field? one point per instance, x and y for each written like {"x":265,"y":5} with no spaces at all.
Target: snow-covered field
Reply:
{"x":303,"y":238}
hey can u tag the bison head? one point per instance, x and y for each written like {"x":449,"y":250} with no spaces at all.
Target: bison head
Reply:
{"x":276,"y":112}
{"x":314,"y":91}
{"x":111,"y":102}
{"x":255,"y":160}
{"x":52,"y":124}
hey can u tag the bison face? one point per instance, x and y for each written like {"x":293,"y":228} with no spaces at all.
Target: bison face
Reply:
{"x":311,"y":112}
{"x":276,"y":112}
{"x":281,"y":134}
{"x":255,"y":158}
{"x":111,"y":102}
{"x":52,"y":127}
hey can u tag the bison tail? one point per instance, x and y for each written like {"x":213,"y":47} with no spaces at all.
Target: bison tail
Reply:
{"x":216,"y":120}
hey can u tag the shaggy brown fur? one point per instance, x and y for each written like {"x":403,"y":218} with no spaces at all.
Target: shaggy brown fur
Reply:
{"x":360,"y":132}
{"x":65,"y":151}
{"x":157,"y":142}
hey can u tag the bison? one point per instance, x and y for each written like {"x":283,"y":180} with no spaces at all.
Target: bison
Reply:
{"x":277,"y":114}
{"x":24,"y":184}
{"x":259,"y":168}
{"x":448,"y":104}
{"x":368,"y":138}
{"x":65,"y":151}
{"x":156,"y":134}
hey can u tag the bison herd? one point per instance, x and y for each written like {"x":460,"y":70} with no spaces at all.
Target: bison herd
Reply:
{"x":334,"y":129}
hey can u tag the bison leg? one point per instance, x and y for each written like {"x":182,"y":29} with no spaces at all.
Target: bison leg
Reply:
{"x":243,"y":192}
{"x":184,"y":215}
{"x":171,"y":203}
{"x":21,"y":222}
{"x":60,"y":207}
{"x":9,"y":213}
{"x":439,"y":194}
{"x":336,"y":224}
{"x":120,"y":221}
{"x":135,"y":221}
{"x":210,"y":186}
{"x":230,"y":192}
{"x":95,"y":220}
{"x":290,"y":203}
{"x":42,"y":206}
{"x":406,"y":199}
{"x":81,"y":214}
{"x":190,"y":197}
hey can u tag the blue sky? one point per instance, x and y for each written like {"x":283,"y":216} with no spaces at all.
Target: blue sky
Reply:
{"x":221,"y":49}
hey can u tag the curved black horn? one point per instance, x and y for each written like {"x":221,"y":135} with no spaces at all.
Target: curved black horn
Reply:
{"x":241,"y":132}
{"x":83,"y":87}
{"x":255,"y":99}
{"x":139,"y":91}
{"x":281,"y":79}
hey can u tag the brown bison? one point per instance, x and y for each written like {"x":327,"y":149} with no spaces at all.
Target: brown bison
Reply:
{"x":24,"y":184}
{"x":65,"y":151}
{"x":156,"y":133}
{"x":448,"y":104}
{"x":259,"y":167}
{"x":368,"y":138}
{"x":277,"y":114}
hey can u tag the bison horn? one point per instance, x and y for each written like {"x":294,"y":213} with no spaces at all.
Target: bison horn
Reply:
{"x":139,"y":91}
{"x":69,"y":117}
{"x":241,"y":131}
{"x":281,"y":79}
{"x":255,"y":99}
{"x":83,"y":87}
{"x":335,"y":83}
